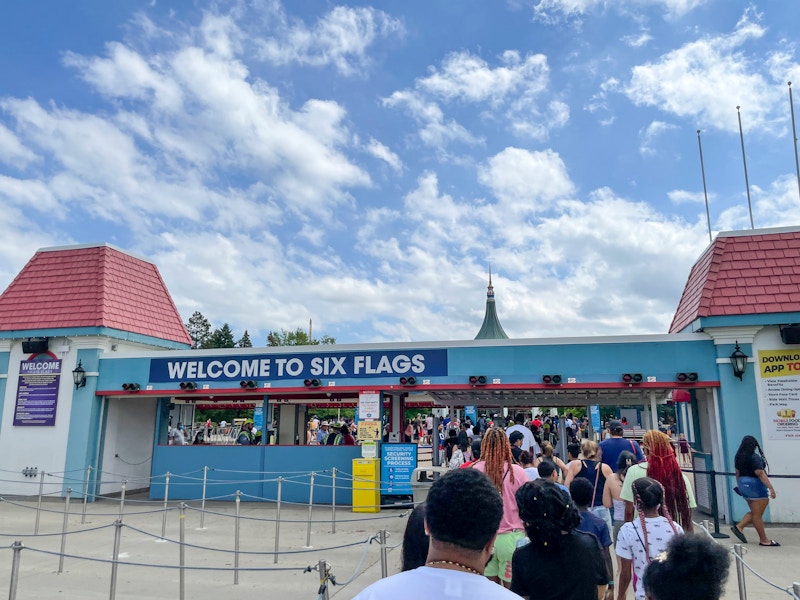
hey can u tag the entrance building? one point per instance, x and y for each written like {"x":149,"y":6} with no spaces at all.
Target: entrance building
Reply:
{"x":95,"y":362}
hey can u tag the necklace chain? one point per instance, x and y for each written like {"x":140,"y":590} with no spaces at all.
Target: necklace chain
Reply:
{"x":453,"y":563}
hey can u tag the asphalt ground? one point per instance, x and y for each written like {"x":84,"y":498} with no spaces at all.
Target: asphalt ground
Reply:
{"x":149,"y":564}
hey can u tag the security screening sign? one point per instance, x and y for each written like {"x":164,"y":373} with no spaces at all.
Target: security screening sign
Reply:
{"x":270,"y":367}
{"x":780,"y":376}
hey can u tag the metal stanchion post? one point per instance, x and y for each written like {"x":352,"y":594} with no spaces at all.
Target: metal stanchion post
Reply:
{"x":382,"y":541}
{"x":203,"y":503}
{"x":737,"y":550}
{"x":122,"y":499}
{"x":115,"y":559}
{"x":333,"y":501}
{"x":236,"y":541}
{"x":796,"y":589}
{"x":714,"y":508}
{"x":39,"y":503}
{"x":86,"y":493}
{"x":706,"y":524}
{"x":182,"y":553}
{"x":166,"y":500}
{"x":64,"y":531}
{"x":17,"y":548}
{"x":322,"y":567}
{"x":310,"y":510}
{"x":278,"y":519}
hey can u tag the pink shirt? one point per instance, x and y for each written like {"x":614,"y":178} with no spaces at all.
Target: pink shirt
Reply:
{"x":510,"y":520}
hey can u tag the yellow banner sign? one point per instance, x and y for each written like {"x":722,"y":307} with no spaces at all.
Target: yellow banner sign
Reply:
{"x":369,"y":431}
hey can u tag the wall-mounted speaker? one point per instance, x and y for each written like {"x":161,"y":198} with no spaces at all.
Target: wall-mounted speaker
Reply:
{"x":790,"y":334}
{"x":34,"y":345}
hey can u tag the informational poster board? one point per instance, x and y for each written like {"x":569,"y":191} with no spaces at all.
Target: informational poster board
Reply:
{"x":37,"y":393}
{"x":594,"y":412}
{"x":398,"y":462}
{"x":471,"y":413}
{"x":369,"y":405}
{"x":780,"y":388}
{"x":369,"y":431}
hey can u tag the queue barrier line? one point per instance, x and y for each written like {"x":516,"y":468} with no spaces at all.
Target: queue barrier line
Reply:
{"x":358,"y":567}
{"x":61,"y":512}
{"x":738,"y":558}
{"x":59,"y":534}
{"x":314,"y":521}
{"x":156,"y":566}
{"x":253,"y":552}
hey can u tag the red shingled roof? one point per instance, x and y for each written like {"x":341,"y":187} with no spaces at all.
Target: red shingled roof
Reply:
{"x":91,"y":286}
{"x":743,"y":274}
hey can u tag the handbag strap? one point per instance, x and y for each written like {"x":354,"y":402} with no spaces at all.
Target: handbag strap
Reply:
{"x":596,"y":479}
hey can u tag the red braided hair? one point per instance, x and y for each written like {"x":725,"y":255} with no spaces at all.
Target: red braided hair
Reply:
{"x":663,"y":467}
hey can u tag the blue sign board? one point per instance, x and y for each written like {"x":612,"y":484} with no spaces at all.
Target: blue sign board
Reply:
{"x":594,"y":413}
{"x":329,"y":365}
{"x":471,"y":413}
{"x":398,"y":462}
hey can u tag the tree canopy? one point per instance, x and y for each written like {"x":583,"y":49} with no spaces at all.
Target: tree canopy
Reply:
{"x":298,"y":337}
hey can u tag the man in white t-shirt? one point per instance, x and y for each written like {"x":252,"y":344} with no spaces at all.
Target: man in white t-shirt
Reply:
{"x":528,"y":442}
{"x":456,"y":555}
{"x":177,"y":435}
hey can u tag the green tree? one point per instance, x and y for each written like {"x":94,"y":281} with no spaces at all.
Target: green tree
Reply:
{"x":298,"y":337}
{"x":221,"y":338}
{"x":199,"y":329}
{"x":244,"y":341}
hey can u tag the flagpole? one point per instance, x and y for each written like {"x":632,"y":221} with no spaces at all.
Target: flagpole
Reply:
{"x":705,"y":191}
{"x":744,"y":160}
{"x":794,"y":138}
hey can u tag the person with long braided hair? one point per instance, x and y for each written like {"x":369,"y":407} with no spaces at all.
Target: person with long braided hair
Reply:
{"x":640,"y":541}
{"x":661,"y":465}
{"x":560,"y":562}
{"x":498,"y":464}
{"x":755,"y":487}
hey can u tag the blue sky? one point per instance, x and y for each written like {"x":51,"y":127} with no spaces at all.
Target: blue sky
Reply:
{"x":362,"y":165}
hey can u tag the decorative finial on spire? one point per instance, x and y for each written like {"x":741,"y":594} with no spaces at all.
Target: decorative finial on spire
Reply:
{"x":490,"y":289}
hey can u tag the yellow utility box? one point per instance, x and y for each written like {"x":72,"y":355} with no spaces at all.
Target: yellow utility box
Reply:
{"x":366,"y":485}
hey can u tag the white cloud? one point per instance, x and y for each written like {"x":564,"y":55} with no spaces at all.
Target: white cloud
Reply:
{"x":340,"y":38}
{"x":435,"y":130}
{"x":648,"y":136}
{"x":526,"y":181}
{"x":706,"y":79}
{"x":382,"y":152}
{"x":553,"y":11}
{"x":639,"y":40}
{"x":12,"y":151}
{"x":687,"y":197}
{"x":511,"y":91}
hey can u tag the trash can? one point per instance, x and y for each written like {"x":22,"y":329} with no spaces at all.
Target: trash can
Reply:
{"x":366,"y":485}
{"x":422,"y":479}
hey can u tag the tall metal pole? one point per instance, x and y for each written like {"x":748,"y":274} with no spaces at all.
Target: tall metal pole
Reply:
{"x":705,"y":190}
{"x":12,"y":590}
{"x":794,"y":139}
{"x":384,"y":564}
{"x":236,"y":540}
{"x":122,"y":499}
{"x":182,"y":554}
{"x":310,"y":510}
{"x":333,"y":501}
{"x":737,"y":550}
{"x":115,"y":559}
{"x":39,"y":503}
{"x":203,"y":504}
{"x":86,"y":493}
{"x":278,"y":519}
{"x":64,"y":527}
{"x":744,"y":160}
{"x":166,"y":500}
{"x":322,"y":567}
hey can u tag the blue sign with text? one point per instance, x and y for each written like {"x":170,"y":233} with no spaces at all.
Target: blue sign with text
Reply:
{"x":331,"y":365}
{"x":398,"y":462}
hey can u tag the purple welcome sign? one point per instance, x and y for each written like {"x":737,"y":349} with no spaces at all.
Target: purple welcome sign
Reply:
{"x":37,"y":392}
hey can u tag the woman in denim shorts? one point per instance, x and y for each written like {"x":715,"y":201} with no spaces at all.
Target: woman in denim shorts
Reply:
{"x":754,"y":486}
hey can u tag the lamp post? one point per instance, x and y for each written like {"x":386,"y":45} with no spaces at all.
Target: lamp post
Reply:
{"x":738,"y":361}
{"x":79,"y":375}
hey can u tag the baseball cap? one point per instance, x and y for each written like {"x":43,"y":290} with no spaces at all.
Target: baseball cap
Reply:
{"x":249,"y":421}
{"x":615,"y":425}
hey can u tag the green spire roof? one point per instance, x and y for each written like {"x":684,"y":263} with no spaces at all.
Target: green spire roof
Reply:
{"x":491,"y":328}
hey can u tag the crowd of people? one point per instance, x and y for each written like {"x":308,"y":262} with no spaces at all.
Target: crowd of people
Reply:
{"x":541,"y":517}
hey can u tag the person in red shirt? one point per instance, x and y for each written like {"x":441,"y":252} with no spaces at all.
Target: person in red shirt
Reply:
{"x":347,"y":437}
